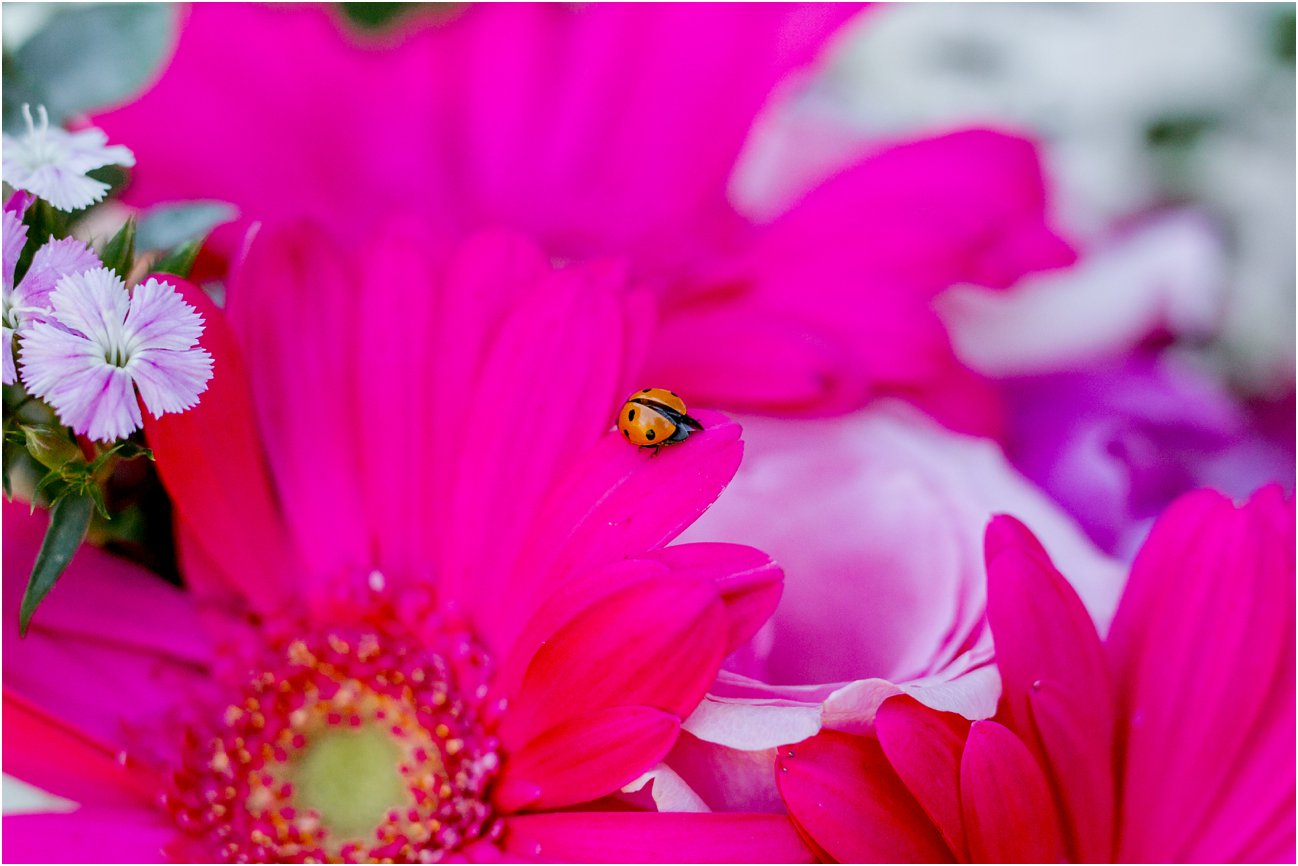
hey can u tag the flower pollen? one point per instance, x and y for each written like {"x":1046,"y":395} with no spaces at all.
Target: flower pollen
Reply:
{"x":353,"y":746}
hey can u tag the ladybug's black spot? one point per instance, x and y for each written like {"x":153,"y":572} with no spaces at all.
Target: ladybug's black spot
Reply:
{"x":630,"y":416}
{"x":649,"y":435}
{"x":645,"y":391}
{"x":673,"y":393}
{"x":626,"y":433}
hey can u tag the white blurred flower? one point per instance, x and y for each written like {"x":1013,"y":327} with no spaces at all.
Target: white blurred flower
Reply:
{"x":53,"y":163}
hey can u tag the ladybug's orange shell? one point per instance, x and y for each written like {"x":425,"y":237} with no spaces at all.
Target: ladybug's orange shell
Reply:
{"x":644,"y":425}
{"x":662,"y":397}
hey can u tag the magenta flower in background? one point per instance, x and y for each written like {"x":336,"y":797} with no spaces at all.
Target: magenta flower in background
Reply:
{"x":1171,"y":741}
{"x":613,"y":130}
{"x":29,"y":298}
{"x":99,"y":344}
{"x":450,"y":633}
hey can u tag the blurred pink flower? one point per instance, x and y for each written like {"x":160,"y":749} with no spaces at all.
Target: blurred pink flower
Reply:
{"x":877,"y":519}
{"x":430,"y":613}
{"x":613,"y":130}
{"x":1171,"y":741}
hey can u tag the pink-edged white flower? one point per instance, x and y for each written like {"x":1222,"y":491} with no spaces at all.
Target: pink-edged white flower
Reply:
{"x":101,"y":343}
{"x":30,"y":297}
{"x":52,"y":162}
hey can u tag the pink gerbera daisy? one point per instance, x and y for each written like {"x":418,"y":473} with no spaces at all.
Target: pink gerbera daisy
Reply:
{"x":430,"y":612}
{"x":1171,"y":741}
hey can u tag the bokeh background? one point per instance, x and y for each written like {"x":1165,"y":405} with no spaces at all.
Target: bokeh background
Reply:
{"x":1167,"y":130}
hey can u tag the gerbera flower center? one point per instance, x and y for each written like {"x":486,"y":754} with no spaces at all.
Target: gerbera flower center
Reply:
{"x":356,"y":746}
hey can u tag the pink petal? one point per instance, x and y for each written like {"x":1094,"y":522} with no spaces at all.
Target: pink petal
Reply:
{"x":924,"y":748}
{"x":749,"y":582}
{"x":842,"y":793}
{"x":742,"y":356}
{"x":616,"y":501}
{"x":1057,"y":691}
{"x":397,"y":350}
{"x":55,"y":756}
{"x":110,"y":649}
{"x":657,"y":644}
{"x":607,"y":103}
{"x":1009,"y":813}
{"x":651,"y":837}
{"x":94,"y":835}
{"x":292,"y":308}
{"x":560,"y":346}
{"x":211,"y":461}
{"x":586,"y":757}
{"x":1199,"y":660}
{"x":428,"y":381}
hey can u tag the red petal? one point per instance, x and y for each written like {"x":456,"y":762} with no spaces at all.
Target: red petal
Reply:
{"x":1009,"y":813}
{"x":210,"y":459}
{"x":587,"y":757}
{"x":56,"y":757}
{"x":749,"y":582}
{"x":842,"y":792}
{"x":1057,"y":691}
{"x":1202,"y":641}
{"x":924,"y":747}
{"x":653,"y":837}
{"x":657,"y":644}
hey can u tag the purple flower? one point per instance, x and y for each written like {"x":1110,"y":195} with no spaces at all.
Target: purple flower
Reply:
{"x":101,"y":343}
{"x":30,"y":298}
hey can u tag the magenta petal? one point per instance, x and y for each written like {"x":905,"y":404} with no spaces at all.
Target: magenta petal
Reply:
{"x":56,"y":757}
{"x":653,"y":837}
{"x":292,"y":308}
{"x":396,"y":349}
{"x":1203,"y":645}
{"x":1009,"y":813}
{"x":924,"y":747}
{"x":841,"y":791}
{"x":211,"y":461}
{"x":749,"y":582}
{"x":88,"y":836}
{"x":587,"y":757}
{"x":110,"y":645}
{"x":560,"y":345}
{"x":1057,"y":691}
{"x":640,"y":502}
{"x":655,"y":643}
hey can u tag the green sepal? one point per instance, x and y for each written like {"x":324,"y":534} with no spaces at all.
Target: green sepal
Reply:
{"x":51,"y":446}
{"x":179,"y":261}
{"x":69,"y":522}
{"x":119,"y":253}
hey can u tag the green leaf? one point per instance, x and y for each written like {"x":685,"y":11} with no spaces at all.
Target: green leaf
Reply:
{"x":88,"y":56}
{"x":42,"y":221}
{"x":168,"y":225}
{"x":179,"y":261}
{"x":119,"y":253}
{"x":69,"y":521}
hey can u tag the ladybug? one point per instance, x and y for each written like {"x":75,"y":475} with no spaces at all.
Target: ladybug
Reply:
{"x":654,"y":418}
